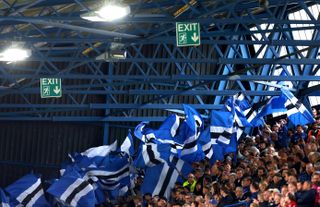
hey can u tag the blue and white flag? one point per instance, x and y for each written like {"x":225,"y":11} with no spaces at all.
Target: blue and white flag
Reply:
{"x":206,"y":142}
{"x":250,"y":112}
{"x":127,"y":145}
{"x":160,"y":180}
{"x":97,"y":154}
{"x":222,"y":126}
{"x":114,"y":171}
{"x":218,"y":151}
{"x":297,"y":113}
{"x":139,"y":131}
{"x":152,"y":154}
{"x":73,"y":191}
{"x":27,"y":191}
{"x":166,"y":131}
{"x":4,"y":201}
{"x":189,"y":133}
{"x":274,"y":105}
{"x":165,"y":134}
{"x":237,"y":111}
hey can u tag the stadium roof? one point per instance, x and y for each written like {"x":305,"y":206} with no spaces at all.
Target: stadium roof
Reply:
{"x":250,"y":46}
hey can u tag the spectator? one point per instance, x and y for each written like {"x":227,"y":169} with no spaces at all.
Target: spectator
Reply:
{"x":299,"y":135}
{"x":239,"y":194}
{"x":306,"y":175}
{"x":291,"y":201}
{"x":226,"y":198}
{"x":190,"y":183}
{"x":254,"y":190}
{"x":306,"y":197}
{"x":162,"y":202}
{"x":277,"y":181}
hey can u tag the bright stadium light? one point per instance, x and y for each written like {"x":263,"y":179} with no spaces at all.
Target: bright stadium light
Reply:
{"x":109,"y":12}
{"x":15,"y":53}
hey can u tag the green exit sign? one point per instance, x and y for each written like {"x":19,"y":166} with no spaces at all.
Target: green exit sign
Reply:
{"x":187,"y":34}
{"x":50,"y":87}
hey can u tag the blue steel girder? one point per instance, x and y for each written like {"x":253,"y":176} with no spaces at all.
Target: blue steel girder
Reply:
{"x":181,"y":69}
{"x":265,"y":70}
{"x":147,"y":66}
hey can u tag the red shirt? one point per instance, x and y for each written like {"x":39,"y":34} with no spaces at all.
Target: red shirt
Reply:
{"x":317,"y":188}
{"x":292,"y":204}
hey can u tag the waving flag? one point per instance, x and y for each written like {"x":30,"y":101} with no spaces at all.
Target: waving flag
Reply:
{"x":113,"y":172}
{"x":152,"y":154}
{"x":274,"y":105}
{"x":166,"y":131}
{"x":221,"y":126}
{"x":28,"y":191}
{"x":189,"y":134}
{"x":236,"y":105}
{"x":165,"y":134}
{"x":73,"y":191}
{"x":218,"y":151}
{"x":296,"y":111}
{"x":4,"y":202}
{"x":206,"y":142}
{"x":160,"y":180}
{"x":97,"y":154}
{"x":127,"y":145}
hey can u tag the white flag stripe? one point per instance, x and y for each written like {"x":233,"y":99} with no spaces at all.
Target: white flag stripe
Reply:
{"x":161,"y":179}
{"x":35,"y":198}
{"x":82,"y":193}
{"x":125,"y":145}
{"x":70,"y":189}
{"x":189,"y":151}
{"x":28,"y":191}
{"x":219,"y":129}
{"x":223,"y":140}
{"x":100,"y":151}
{"x":175,"y":126}
{"x":206,"y":146}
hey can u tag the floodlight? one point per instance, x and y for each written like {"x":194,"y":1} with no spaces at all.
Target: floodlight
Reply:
{"x":109,"y":12}
{"x":113,"y":55}
{"x":15,"y":53}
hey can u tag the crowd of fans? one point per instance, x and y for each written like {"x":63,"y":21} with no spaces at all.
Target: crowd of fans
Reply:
{"x":277,"y":167}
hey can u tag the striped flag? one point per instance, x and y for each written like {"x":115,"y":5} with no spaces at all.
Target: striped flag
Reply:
{"x":28,"y":191}
{"x":97,"y":154}
{"x":73,"y":191}
{"x":127,"y":145}
{"x":152,"y":154}
{"x":164,"y":134}
{"x":221,"y":126}
{"x":206,"y":142}
{"x":4,"y":201}
{"x":189,"y":133}
{"x":114,"y":171}
{"x":160,"y":180}
{"x":297,"y":113}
